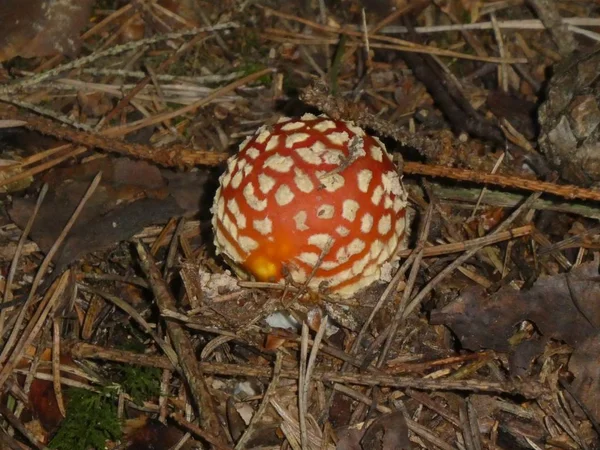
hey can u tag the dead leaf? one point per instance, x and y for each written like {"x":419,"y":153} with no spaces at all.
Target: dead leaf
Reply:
{"x":147,"y":433}
{"x":32,"y":28}
{"x":562,"y":307}
{"x":388,"y":432}
{"x":585,"y":366}
{"x":131,"y":196}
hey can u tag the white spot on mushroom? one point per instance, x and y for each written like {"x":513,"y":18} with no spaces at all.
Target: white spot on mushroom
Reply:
{"x":360,"y":265}
{"x":290,"y":126}
{"x":264,"y":226}
{"x":356,"y":246}
{"x":382,"y":146}
{"x":342,"y":255}
{"x":244,"y":143}
{"x":384,"y":255}
{"x":366,"y":223}
{"x":273,"y":143}
{"x":349,"y":209}
{"x":230,"y":227}
{"x":334,"y":157}
{"x":253,"y":201}
{"x":309,"y":258}
{"x":400,"y":225}
{"x":265,"y":183}
{"x":399,"y":203}
{"x":237,"y":179}
{"x":231,"y":162}
{"x":309,"y":156}
{"x":263,"y":134}
{"x":391,"y":183}
{"x":221,"y":207}
{"x":320,"y":240}
{"x":303,"y":181}
{"x":319,"y":148}
{"x":388,"y":202}
{"x":393,"y":243}
{"x":295,"y":138}
{"x":240,"y":219}
{"x":340,"y":277}
{"x":298,"y":275}
{"x":284,"y":119}
{"x":356,"y":130}
{"x":253,"y":152}
{"x":308,"y":116}
{"x":325,"y":211}
{"x":300,"y":219}
{"x":376,"y":247}
{"x":377,"y":194}
{"x":284,"y":195}
{"x":385,"y":225}
{"x":328,"y":265}
{"x":338,"y":137}
{"x":376,"y":153}
{"x":247,"y":243}
{"x":225,"y":179}
{"x":370,"y":270}
{"x":324,"y":125}
{"x":248,"y":169}
{"x":223,"y":245}
{"x":331,"y":181}
{"x":364,"y":178}
{"x":279,"y":163}
{"x":342,"y":231}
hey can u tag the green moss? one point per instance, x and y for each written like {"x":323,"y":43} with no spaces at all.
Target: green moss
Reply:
{"x":141,"y":383}
{"x":91,"y":420}
{"x":252,"y":67}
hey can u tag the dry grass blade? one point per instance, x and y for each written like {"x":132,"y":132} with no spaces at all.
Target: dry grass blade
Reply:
{"x":269,"y":393}
{"x":445,"y":249}
{"x":527,"y":389}
{"x":34,"y":326}
{"x":133,"y":126}
{"x":8,"y":89}
{"x":460,"y":260}
{"x":14,"y":421}
{"x":38,"y":278}
{"x":302,"y":382}
{"x":55,"y":161}
{"x":56,"y":329}
{"x":209,"y":437}
{"x":136,"y":317}
{"x":190,"y":368}
{"x":15,"y":261}
{"x":416,"y":265}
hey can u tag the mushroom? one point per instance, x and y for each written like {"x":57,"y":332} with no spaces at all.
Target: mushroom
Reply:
{"x":312,"y":198}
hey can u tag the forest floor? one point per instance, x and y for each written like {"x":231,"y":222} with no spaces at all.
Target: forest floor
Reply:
{"x":121,"y":328}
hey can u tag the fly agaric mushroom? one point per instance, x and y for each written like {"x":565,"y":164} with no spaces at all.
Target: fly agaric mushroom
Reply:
{"x":314,"y":198}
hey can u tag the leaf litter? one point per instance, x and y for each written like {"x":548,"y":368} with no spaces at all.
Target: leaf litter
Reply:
{"x":114,"y":133}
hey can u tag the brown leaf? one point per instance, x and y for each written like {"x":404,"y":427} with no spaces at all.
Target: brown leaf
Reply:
{"x":32,"y":28}
{"x":585,"y":365}
{"x":388,"y":432}
{"x":131,"y":196}
{"x":146,"y":434}
{"x":562,"y":307}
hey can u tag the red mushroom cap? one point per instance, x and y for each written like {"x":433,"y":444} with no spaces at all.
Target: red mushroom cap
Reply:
{"x":316,"y":196}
